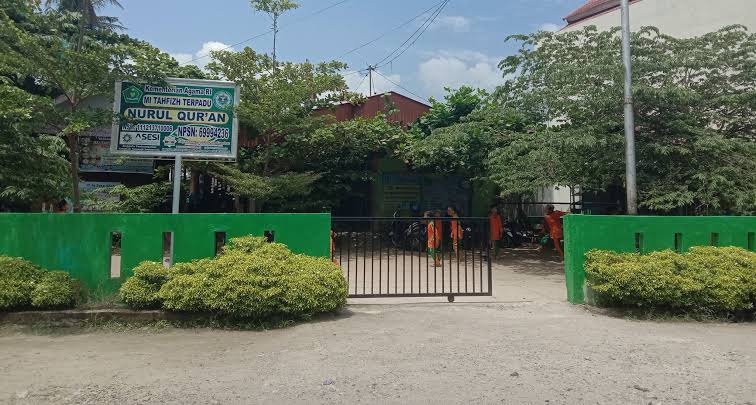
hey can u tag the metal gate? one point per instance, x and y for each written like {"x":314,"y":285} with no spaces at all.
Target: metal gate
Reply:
{"x":389,"y":257}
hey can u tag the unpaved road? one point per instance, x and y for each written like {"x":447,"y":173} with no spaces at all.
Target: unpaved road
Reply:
{"x":525,"y":345}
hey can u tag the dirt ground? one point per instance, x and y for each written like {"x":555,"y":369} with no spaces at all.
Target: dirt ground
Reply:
{"x":523,"y":345}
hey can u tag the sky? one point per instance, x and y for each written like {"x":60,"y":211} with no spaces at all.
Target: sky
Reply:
{"x":462,"y":47}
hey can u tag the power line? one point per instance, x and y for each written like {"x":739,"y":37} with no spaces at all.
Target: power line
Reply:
{"x":430,"y":22}
{"x":423,"y":27}
{"x":402,"y":87}
{"x":314,"y":13}
{"x":346,"y":74}
{"x":400,"y":26}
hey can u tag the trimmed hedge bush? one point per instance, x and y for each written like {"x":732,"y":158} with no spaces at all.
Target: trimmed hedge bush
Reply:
{"x":24,"y":284}
{"x":251,"y":279}
{"x":247,"y":244}
{"x":712,"y":280}
{"x":17,"y":280}
{"x":141,"y":290}
{"x":56,"y":290}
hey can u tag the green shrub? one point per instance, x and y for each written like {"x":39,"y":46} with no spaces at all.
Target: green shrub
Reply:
{"x":55,"y":290}
{"x":185,"y":293}
{"x":246,"y":244}
{"x":152,"y":272}
{"x":319,"y":286}
{"x":140,"y":294}
{"x":18,"y":277}
{"x":19,"y":269}
{"x":251,"y":279}
{"x":141,"y":290}
{"x":703,"y":280}
{"x":24,"y":284}
{"x":265,"y":282}
{"x":188,"y":286}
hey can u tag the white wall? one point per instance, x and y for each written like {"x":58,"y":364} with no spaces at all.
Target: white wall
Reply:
{"x":680,"y":18}
{"x":555,"y":194}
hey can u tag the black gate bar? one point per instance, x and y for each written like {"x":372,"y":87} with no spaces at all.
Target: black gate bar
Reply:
{"x":375,"y":242}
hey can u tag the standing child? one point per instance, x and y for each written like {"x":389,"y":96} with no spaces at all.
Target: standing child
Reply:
{"x":439,"y":226}
{"x":456,"y":229}
{"x":433,"y":241}
{"x":497,"y":229}
{"x":553,"y":222}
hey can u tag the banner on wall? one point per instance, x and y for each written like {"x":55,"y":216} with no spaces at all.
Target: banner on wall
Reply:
{"x":188,"y":118}
{"x":95,"y":156}
{"x":96,"y":193}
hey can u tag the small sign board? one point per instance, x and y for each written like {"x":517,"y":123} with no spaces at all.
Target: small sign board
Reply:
{"x":95,"y":156}
{"x":184,"y":117}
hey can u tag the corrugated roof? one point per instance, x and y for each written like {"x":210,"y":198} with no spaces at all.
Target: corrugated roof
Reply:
{"x":592,"y":8}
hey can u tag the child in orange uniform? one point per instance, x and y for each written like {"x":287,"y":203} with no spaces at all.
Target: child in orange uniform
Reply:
{"x":497,"y":229}
{"x":456,"y":229}
{"x":553,"y":221}
{"x":434,"y":242}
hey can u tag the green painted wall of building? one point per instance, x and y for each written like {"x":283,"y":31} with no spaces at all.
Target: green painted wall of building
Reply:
{"x":81,"y":243}
{"x":645,"y":234}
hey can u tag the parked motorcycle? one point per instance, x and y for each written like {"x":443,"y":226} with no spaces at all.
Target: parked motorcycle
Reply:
{"x":514,"y":235}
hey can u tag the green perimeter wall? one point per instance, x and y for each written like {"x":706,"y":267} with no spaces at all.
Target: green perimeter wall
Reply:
{"x":583,"y":233}
{"x":80,"y":243}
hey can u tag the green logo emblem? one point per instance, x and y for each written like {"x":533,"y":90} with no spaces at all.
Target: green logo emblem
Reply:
{"x":223,"y":100}
{"x":132,"y":95}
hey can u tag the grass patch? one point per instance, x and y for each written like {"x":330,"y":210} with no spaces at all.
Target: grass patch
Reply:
{"x":190,"y":321}
{"x":670,"y":315}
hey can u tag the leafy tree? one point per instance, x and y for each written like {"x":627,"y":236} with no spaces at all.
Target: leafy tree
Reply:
{"x":32,"y":165}
{"x":457,"y":104}
{"x":340,"y":154}
{"x":79,"y":64}
{"x":464,"y":147}
{"x":695,"y":103}
{"x":274,"y":9}
{"x":153,"y":197}
{"x":88,"y":11}
{"x":275,"y":104}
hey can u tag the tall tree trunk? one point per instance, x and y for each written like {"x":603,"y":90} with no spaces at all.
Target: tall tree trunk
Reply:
{"x":73,"y":147}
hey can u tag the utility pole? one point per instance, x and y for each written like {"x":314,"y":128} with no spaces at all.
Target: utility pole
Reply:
{"x":371,"y":68}
{"x":275,"y":36}
{"x":630,"y":173}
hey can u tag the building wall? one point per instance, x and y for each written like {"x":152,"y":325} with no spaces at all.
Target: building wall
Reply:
{"x":679,"y":18}
{"x":408,"y":112}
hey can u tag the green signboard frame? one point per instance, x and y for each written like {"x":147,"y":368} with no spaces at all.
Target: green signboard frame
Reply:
{"x":185,"y":117}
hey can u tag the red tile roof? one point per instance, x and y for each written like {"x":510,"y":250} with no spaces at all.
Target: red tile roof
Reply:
{"x":592,"y":8}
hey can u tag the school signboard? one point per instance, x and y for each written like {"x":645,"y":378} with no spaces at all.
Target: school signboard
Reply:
{"x":184,"y":117}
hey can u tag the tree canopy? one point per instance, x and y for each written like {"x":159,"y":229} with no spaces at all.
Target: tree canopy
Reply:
{"x":65,"y":54}
{"x":695,"y":105}
{"x":557,"y":119}
{"x":276,"y":107}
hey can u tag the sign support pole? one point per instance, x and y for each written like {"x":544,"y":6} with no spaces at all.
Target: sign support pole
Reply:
{"x":176,"y":185}
{"x":630,"y":169}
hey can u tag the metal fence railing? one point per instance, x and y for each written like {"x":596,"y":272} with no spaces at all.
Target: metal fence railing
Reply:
{"x":393,"y":257}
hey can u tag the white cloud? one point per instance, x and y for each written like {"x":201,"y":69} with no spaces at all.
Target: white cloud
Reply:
{"x":202,"y":56}
{"x":457,"y":68}
{"x":456,"y":23}
{"x":359,"y":83}
{"x":549,"y":27}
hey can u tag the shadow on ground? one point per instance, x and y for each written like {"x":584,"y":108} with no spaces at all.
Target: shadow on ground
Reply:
{"x":531,"y":261}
